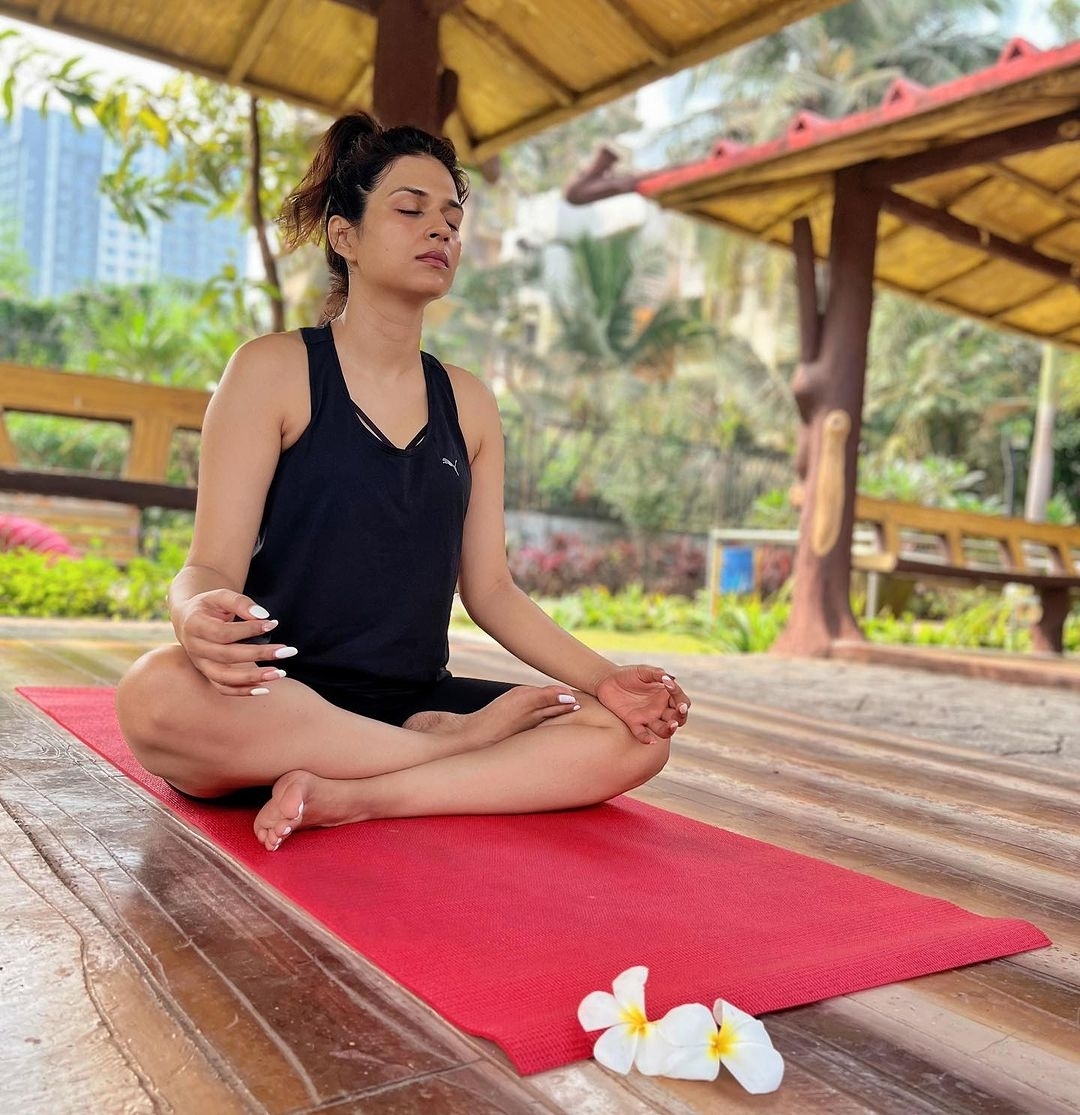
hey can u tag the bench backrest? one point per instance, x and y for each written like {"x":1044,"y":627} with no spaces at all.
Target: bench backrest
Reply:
{"x":968,"y":540}
{"x":153,"y":413}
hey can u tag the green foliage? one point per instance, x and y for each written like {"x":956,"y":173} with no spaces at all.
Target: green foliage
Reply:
{"x":73,"y":444}
{"x":741,"y":625}
{"x":931,"y":482}
{"x":33,"y":584}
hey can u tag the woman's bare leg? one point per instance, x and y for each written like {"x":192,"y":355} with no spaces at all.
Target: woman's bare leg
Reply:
{"x":584,"y":758}
{"x":207,"y":744}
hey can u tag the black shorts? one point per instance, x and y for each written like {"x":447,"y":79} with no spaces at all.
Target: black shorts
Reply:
{"x":394,"y":705}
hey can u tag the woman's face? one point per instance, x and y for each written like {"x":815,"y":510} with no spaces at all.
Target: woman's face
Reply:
{"x":408,"y":239}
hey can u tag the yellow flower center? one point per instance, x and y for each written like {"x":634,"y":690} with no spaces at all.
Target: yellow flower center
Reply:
{"x":634,"y":1017}
{"x":722,"y":1042}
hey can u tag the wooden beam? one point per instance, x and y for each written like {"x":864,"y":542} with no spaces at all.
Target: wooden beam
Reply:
{"x":81,"y":486}
{"x":658,"y":51}
{"x":802,"y":241}
{"x":257,"y":37}
{"x":406,"y":85}
{"x":960,"y":232}
{"x":1044,"y":193}
{"x":1033,"y":136}
{"x":46,"y":12}
{"x":491,"y":33}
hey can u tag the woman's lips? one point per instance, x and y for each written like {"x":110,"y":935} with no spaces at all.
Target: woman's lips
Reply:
{"x":438,"y":259}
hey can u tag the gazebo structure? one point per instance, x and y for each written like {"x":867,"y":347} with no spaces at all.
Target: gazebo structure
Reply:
{"x":966,"y":195}
{"x":494,"y":71}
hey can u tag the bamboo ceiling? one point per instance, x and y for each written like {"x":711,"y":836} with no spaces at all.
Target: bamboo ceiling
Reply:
{"x":982,"y":179}
{"x":523,"y":65}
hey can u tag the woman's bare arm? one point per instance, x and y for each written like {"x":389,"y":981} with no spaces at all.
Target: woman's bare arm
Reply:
{"x":506,"y":613}
{"x":260,"y":407}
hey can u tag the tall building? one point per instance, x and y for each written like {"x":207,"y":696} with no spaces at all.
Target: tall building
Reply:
{"x":51,"y":210}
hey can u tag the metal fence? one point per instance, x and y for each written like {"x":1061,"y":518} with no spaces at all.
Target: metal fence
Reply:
{"x":550,"y":466}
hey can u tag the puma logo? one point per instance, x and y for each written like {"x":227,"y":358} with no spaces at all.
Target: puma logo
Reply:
{"x":453,"y":465}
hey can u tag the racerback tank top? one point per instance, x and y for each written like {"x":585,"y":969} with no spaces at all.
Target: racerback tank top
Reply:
{"x":358,"y":551}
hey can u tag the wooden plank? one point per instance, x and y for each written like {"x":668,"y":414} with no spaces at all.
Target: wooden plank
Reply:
{"x":48,"y":391}
{"x":138,"y":493}
{"x":198,"y":966}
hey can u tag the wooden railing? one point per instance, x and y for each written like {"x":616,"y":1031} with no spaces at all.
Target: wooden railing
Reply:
{"x":934,"y":543}
{"x":153,"y":413}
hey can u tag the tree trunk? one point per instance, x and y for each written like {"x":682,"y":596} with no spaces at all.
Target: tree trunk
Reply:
{"x":1041,"y":474}
{"x":258,"y":222}
{"x":828,"y":386}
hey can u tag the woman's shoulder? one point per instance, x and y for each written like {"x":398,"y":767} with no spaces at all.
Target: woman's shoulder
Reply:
{"x":469,"y":390}
{"x":272,"y":352}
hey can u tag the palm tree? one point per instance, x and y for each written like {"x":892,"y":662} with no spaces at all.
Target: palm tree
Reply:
{"x":614,"y":321}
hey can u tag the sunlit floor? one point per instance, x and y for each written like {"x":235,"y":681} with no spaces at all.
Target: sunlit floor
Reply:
{"x":142,"y":971}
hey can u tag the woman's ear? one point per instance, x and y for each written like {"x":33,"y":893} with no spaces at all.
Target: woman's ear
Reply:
{"x":339,"y":236}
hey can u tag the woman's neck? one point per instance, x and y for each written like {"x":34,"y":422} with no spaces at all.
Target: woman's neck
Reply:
{"x":381,"y":335}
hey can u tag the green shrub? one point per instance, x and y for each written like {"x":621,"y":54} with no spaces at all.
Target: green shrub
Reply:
{"x":33,"y":584}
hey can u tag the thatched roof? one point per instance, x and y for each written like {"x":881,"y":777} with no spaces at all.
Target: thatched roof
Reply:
{"x":523,"y":65}
{"x":982,"y":180}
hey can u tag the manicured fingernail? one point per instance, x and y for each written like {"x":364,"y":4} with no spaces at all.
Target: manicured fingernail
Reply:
{"x":565,"y":699}
{"x":270,"y":625}
{"x":299,"y":812}
{"x":576,"y":708}
{"x":260,"y":692}
{"x":259,"y":612}
{"x":286,"y":830}
{"x":285,"y":652}
{"x":667,"y":681}
{"x":684,"y":709}
{"x":673,"y":725}
{"x":274,"y":847}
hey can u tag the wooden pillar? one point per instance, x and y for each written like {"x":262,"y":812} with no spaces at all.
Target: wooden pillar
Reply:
{"x":409,"y":86}
{"x":828,"y":386}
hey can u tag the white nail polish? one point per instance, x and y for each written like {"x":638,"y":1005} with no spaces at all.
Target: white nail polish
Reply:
{"x":260,"y":692}
{"x":577,"y":708}
{"x":300,"y":812}
{"x":281,"y":674}
{"x":285,"y":831}
{"x":565,"y":699}
{"x":270,"y":625}
{"x":259,"y":612}
{"x":684,"y":709}
{"x":667,"y":681}
{"x":285,"y":652}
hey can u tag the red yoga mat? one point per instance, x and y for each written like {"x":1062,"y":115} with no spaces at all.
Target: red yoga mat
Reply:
{"x":503,"y":924}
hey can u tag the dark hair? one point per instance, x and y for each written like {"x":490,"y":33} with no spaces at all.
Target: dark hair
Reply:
{"x":353,"y":155}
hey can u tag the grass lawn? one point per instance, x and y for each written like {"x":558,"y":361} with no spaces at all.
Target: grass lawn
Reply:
{"x":624,"y":642}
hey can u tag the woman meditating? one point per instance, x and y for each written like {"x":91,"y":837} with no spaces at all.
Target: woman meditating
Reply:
{"x":348,"y":483}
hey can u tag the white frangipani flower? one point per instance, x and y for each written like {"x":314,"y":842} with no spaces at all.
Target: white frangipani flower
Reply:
{"x":740,"y":1044}
{"x":629,"y":1038}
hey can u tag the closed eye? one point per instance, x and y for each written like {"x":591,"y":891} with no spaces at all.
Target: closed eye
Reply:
{"x":420,"y":213}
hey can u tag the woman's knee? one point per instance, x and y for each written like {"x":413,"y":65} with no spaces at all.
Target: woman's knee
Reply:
{"x":635,"y":761}
{"x":150,"y":694}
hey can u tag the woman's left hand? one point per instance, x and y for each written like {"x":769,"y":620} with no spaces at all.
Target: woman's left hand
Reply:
{"x":646,"y":699}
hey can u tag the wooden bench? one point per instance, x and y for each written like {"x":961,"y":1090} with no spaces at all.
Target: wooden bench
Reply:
{"x":932,"y":543}
{"x":85,"y":506}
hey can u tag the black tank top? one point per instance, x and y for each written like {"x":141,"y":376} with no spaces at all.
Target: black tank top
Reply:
{"x":360,"y":542}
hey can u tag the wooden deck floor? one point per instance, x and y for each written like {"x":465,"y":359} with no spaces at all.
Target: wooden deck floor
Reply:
{"x":140,"y":971}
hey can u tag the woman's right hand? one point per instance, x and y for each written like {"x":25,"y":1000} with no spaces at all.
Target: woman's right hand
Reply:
{"x":207,"y":629}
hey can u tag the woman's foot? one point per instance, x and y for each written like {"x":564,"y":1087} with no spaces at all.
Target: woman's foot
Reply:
{"x":517,"y":710}
{"x":301,"y":799}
